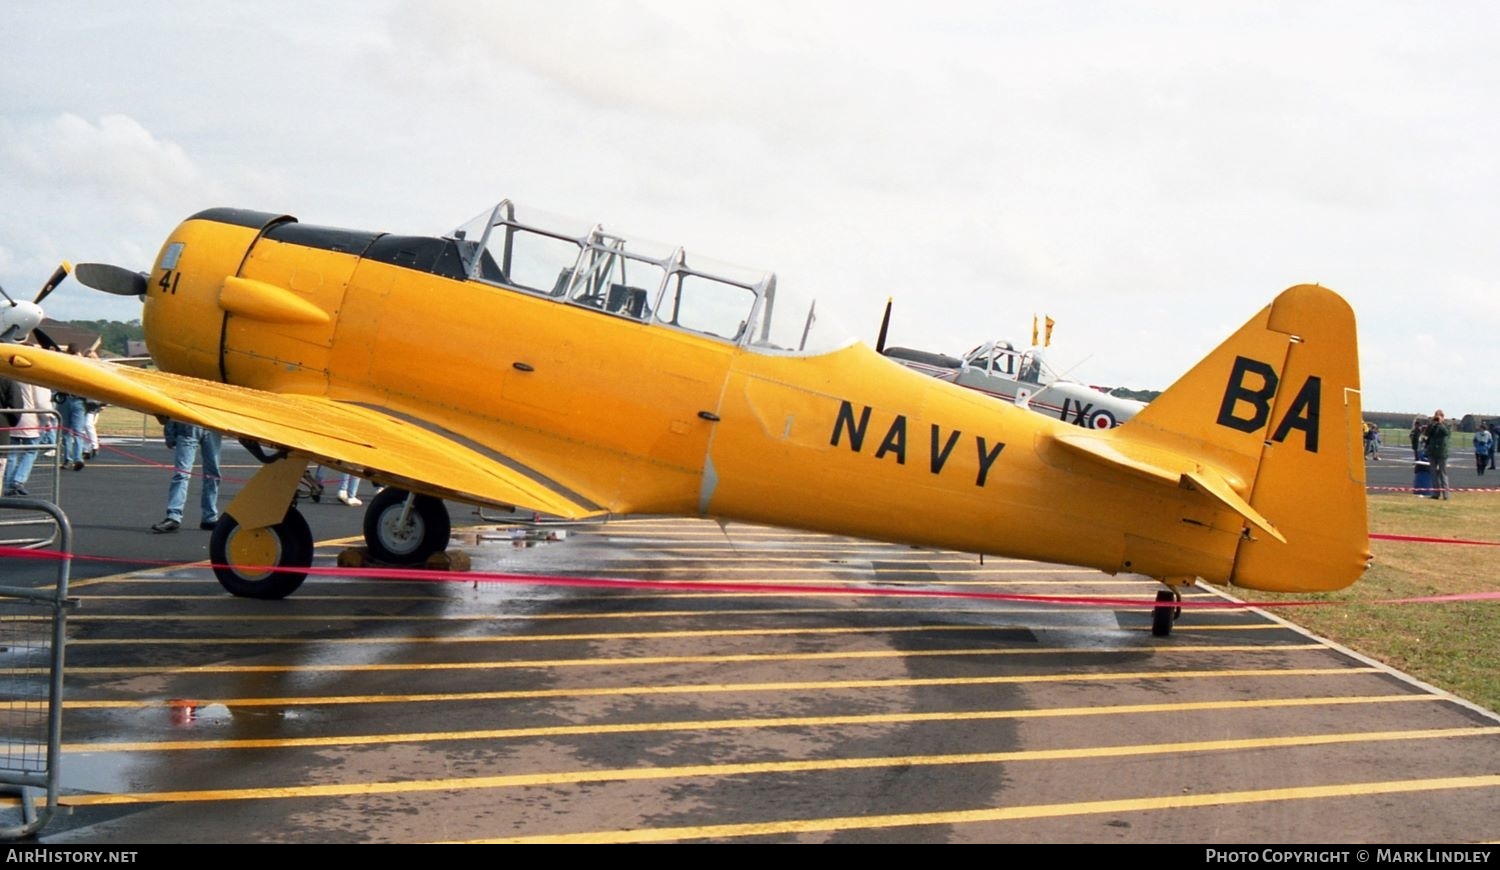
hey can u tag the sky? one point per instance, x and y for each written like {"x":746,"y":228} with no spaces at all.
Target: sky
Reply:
{"x":1148,"y":174}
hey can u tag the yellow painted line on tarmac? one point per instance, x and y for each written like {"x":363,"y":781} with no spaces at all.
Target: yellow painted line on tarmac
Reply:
{"x":708,"y":580}
{"x":866,"y":719}
{"x":304,"y":595}
{"x":221,"y":597}
{"x":935,"y":604}
{"x":128,"y":576}
{"x":783,"y":767}
{"x":745,"y":533}
{"x":303,"y":640}
{"x":717,"y":554}
{"x":545,"y":617}
{"x":722,"y":688}
{"x":687,"y":546}
{"x":830,"y":569}
{"x":698,"y":579}
{"x":463,"y":617}
{"x":1188,"y":629}
{"x":1006,"y":814}
{"x":714,"y":659}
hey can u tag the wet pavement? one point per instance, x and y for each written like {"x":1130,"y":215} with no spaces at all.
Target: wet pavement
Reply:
{"x":520,"y":703}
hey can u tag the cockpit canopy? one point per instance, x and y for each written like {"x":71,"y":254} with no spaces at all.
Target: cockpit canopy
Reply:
{"x":584,"y":265}
{"x":1002,"y":358}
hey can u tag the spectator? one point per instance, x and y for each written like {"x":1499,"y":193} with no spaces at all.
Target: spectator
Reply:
{"x":74,"y":423}
{"x":1437,"y":453}
{"x":10,"y":401}
{"x":1484,"y":447}
{"x":25,"y":429}
{"x":1418,"y":430}
{"x":91,"y":409}
{"x":348,"y":491}
{"x":185,"y":440}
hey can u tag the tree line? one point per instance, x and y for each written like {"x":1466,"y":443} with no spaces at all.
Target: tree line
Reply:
{"x":113,"y":334}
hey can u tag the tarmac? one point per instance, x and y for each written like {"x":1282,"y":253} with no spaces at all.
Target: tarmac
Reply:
{"x":602,"y":683}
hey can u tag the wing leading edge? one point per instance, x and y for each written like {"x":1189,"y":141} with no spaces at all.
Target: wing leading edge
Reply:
{"x":349,"y":436}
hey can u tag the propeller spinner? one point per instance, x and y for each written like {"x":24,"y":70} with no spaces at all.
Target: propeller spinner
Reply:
{"x":20,"y":319}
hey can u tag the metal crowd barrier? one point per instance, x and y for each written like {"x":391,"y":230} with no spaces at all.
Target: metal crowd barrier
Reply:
{"x":25,"y":529}
{"x":32,"y":641}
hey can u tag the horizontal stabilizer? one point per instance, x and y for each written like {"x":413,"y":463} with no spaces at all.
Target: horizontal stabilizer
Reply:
{"x":1167,"y":468}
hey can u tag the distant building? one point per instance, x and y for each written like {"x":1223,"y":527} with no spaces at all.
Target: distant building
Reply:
{"x":67,"y":335}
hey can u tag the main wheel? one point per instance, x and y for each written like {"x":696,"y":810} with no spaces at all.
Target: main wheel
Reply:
{"x":266,"y":563}
{"x":1165,"y":612}
{"x":424,"y":533}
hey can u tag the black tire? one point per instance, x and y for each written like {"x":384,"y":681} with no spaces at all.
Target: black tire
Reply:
{"x":1162,"y":617}
{"x":288,"y":546}
{"x":426,"y":532}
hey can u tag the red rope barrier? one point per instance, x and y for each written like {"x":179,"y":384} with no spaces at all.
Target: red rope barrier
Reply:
{"x":1430,"y":489}
{"x":477,"y":577}
{"x":1420,"y":539}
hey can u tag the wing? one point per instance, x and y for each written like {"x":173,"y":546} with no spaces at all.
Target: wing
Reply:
{"x":352,"y":437}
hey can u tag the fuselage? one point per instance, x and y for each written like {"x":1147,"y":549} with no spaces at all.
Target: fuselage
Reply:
{"x":639,"y":416}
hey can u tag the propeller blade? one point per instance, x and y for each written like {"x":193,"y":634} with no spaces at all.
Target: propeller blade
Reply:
{"x":57,"y":278}
{"x":885,"y":324}
{"x":45,"y":340}
{"x":111,"y":279}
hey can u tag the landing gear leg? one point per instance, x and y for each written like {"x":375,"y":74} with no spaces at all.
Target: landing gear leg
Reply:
{"x":262,"y":546}
{"x":1167,"y":609}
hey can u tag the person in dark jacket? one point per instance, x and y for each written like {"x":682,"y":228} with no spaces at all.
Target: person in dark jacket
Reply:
{"x":1437,"y":454}
{"x":1418,"y":430}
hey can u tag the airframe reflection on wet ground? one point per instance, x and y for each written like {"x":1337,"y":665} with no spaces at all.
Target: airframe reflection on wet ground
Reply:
{"x":403,"y":711}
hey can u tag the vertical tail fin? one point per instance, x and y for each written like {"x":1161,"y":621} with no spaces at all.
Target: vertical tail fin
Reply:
{"x":1275,"y":411}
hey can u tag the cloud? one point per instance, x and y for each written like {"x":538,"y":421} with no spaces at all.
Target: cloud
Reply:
{"x":117,"y":156}
{"x":1145,"y":172}
{"x":80,"y":190}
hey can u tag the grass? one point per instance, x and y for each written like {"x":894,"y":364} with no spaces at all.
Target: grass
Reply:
{"x":1455,"y":646}
{"x":122,"y":422}
{"x":1452,"y":645}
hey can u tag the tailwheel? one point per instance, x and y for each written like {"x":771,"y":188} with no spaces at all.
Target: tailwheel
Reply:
{"x":1166,"y":611}
{"x":268,"y":562}
{"x":403,"y":528}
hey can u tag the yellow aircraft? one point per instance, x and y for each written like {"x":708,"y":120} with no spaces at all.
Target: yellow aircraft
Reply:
{"x":526,"y":361}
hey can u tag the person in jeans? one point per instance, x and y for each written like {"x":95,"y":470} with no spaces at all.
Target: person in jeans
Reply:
{"x":187,"y":443}
{"x":73,"y":425}
{"x":26,"y":431}
{"x":349,"y":490}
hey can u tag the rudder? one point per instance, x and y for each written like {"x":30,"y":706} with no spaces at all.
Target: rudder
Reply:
{"x":1275,"y":410}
